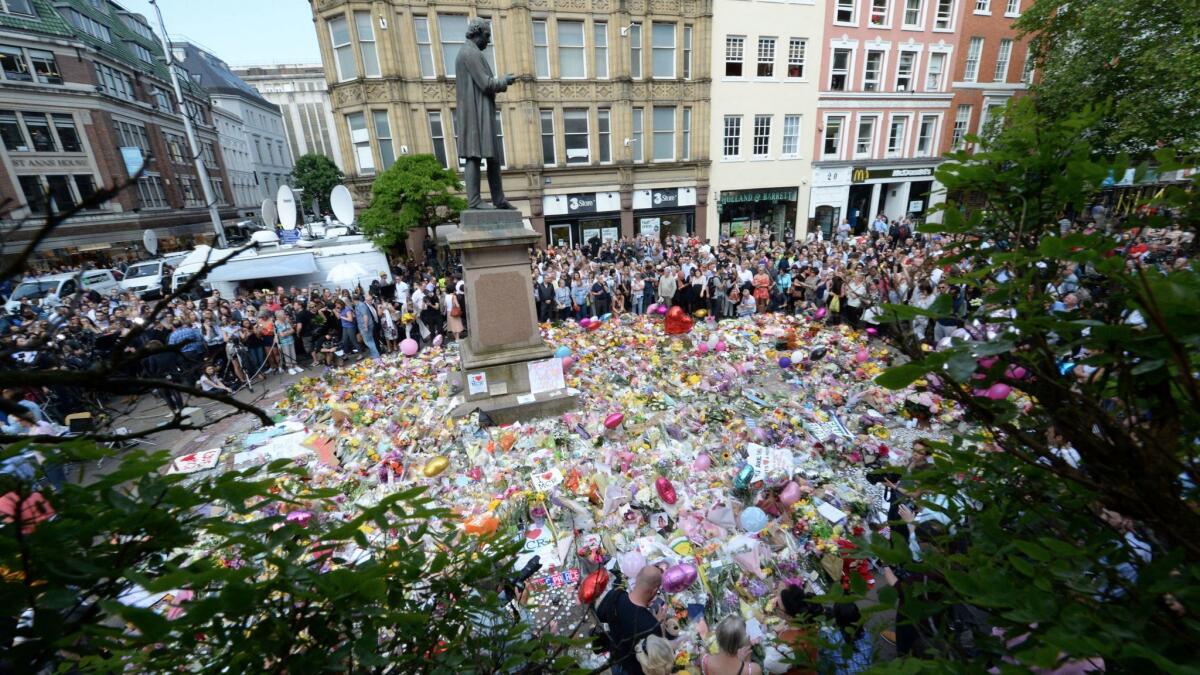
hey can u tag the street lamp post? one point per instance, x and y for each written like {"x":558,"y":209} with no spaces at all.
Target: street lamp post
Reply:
{"x":193,"y":144}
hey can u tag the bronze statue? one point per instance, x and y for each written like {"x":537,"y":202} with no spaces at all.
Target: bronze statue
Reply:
{"x":477,"y":89}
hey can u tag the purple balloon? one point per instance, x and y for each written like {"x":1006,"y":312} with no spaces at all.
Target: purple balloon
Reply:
{"x":679,"y":577}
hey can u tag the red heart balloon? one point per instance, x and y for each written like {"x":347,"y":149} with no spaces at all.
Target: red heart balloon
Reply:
{"x":677,"y":321}
{"x":593,"y":586}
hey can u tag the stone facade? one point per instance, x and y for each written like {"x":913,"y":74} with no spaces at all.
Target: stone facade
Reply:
{"x":578,"y":161}
{"x":302,"y":95}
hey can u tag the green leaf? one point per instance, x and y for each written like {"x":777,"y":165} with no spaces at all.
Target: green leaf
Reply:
{"x":898,"y":377}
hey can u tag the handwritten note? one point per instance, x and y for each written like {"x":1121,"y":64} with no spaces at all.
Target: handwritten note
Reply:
{"x":546,"y":375}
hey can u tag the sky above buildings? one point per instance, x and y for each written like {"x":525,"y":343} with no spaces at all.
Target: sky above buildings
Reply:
{"x":240,"y":32}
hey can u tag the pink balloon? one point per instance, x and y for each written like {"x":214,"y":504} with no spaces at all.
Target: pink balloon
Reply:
{"x":999,"y":391}
{"x":862,"y":356}
{"x":820,"y":314}
{"x":614,"y":420}
{"x":437,"y":341}
{"x":979,"y":392}
{"x":568,"y":362}
{"x":790,"y":493}
{"x":702,"y":462}
{"x":987,"y":362}
{"x":872,"y":331}
{"x":702,"y":348}
{"x":662,"y":309}
{"x":1015,"y":373}
{"x":409,"y":347}
{"x":721,"y":346}
{"x":678,"y":577}
{"x":652,"y":308}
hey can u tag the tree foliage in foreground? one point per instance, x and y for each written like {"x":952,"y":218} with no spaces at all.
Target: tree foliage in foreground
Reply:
{"x":1094,"y":558}
{"x":257,"y":581}
{"x":416,"y":191}
{"x":1138,"y":59}
{"x":317,"y":175}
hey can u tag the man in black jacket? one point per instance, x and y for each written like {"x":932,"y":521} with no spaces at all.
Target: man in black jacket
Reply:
{"x":544,"y":292}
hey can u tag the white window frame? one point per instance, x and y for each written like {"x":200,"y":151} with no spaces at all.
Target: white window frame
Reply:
{"x":888,"y":150}
{"x":444,"y":40}
{"x":826,"y":125}
{"x":887,"y":14}
{"x":580,"y":48}
{"x":906,"y":8}
{"x":637,"y":146}
{"x":797,"y":56}
{"x":343,"y":52}
{"x":604,"y":135}
{"x":735,"y":46}
{"x":947,"y":15}
{"x":872,"y":142}
{"x":983,"y":7}
{"x":577,"y":114}
{"x":360,"y":140}
{"x":637,"y":65}
{"x":848,"y":72}
{"x":541,"y":50}
{"x":656,"y":132}
{"x":792,"y":125}
{"x":1012,"y":8}
{"x":1003,"y":60}
{"x":600,"y":49}
{"x":688,"y":35}
{"x":547,"y":115}
{"x":974,"y":55}
{"x":765,"y":56}
{"x":755,"y":136}
{"x":686,"y":141}
{"x":424,"y":41}
{"x":933,"y":135}
{"x":962,"y":126}
{"x":731,"y":123}
{"x":655,"y":48}
{"x":842,"y":5}
{"x":1027,"y":71}
{"x":367,"y":42}
{"x":384,"y":139}
{"x":940,"y":73}
{"x":881,"y":75}
{"x":912,"y":73}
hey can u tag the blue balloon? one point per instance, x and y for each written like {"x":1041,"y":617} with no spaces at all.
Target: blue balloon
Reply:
{"x":785,"y":362}
{"x":753,"y":519}
{"x":562,"y":352}
{"x":606,"y":317}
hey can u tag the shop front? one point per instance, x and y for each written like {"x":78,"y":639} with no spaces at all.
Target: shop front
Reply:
{"x":664,"y":212}
{"x":575,"y":219}
{"x":766,"y":211}
{"x":858,"y":193}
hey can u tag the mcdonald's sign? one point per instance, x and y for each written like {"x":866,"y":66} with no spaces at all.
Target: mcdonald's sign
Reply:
{"x":859,"y":174}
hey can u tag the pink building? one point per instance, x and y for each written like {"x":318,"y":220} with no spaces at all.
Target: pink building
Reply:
{"x":884,"y":102}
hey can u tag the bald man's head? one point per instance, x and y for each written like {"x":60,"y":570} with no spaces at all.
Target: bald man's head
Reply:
{"x":647,"y":583}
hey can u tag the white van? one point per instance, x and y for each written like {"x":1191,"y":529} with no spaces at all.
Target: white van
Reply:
{"x":145,"y":278}
{"x":62,"y":286}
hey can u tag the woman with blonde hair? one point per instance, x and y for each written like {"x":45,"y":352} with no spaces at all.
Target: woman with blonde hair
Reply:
{"x":655,"y":655}
{"x":734,"y":655}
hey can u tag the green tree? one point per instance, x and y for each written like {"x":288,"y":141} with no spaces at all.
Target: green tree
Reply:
{"x":1096,"y":443}
{"x":417,"y":191}
{"x":258,"y":580}
{"x":317,"y":175}
{"x":1137,"y":58}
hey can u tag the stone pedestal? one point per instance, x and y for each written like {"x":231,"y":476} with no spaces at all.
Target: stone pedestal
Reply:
{"x":502,"y":330}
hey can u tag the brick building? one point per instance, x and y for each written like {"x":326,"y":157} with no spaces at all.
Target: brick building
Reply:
{"x":991,"y":66}
{"x":85,"y":98}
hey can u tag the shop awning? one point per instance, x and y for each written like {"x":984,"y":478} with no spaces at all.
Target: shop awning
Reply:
{"x":99,"y":246}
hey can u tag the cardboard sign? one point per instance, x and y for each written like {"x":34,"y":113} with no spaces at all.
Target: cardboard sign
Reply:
{"x":547,"y":480}
{"x":566,"y":578}
{"x":197,"y":461}
{"x":546,"y":375}
{"x":768,"y":460}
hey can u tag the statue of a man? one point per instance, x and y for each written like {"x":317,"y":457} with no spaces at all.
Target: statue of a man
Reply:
{"x":477,"y":89}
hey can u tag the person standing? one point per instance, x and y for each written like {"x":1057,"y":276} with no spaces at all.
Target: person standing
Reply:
{"x":285,"y":337}
{"x":346,"y":318}
{"x":454,"y":322}
{"x":366,"y":318}
{"x":631,"y":617}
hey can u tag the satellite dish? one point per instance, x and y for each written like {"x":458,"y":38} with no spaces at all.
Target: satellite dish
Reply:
{"x":269,"y":216}
{"x":343,"y":204}
{"x":286,"y":203}
{"x":150,"y":241}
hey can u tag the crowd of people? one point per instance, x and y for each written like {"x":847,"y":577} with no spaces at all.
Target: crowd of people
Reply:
{"x":226,"y":343}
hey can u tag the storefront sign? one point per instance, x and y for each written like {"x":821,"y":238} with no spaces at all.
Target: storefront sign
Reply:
{"x":742,"y":196}
{"x":582,"y":203}
{"x":861,"y":173}
{"x":664,"y":198}
{"x":650,"y":226}
{"x":20,"y":163}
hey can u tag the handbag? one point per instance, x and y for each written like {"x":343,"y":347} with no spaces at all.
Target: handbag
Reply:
{"x":455,"y":310}
{"x":835,"y":304}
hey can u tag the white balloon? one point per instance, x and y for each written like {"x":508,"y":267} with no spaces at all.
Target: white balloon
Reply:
{"x":797,"y":356}
{"x":712,"y":341}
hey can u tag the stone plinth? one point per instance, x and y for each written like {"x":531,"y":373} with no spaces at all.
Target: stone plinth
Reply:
{"x":502,"y":330}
